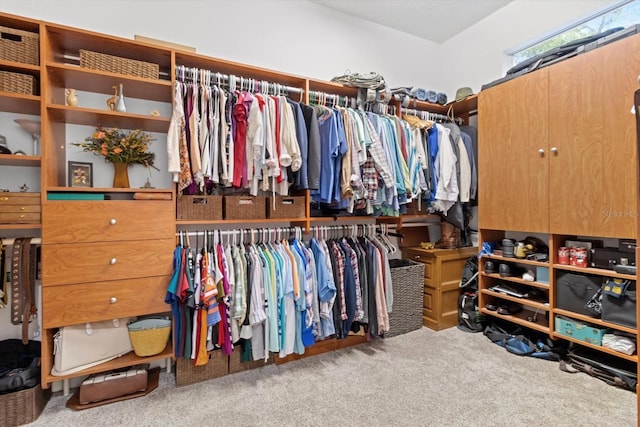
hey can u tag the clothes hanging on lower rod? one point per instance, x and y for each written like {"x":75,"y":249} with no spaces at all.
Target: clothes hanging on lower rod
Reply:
{"x":277,"y":295}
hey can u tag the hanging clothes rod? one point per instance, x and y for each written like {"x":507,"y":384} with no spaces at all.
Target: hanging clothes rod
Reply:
{"x":9,"y":241}
{"x":426,"y":115}
{"x":208,"y":77}
{"x":316,"y":96}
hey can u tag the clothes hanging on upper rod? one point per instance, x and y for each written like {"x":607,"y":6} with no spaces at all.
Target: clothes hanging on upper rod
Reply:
{"x":277,"y":295}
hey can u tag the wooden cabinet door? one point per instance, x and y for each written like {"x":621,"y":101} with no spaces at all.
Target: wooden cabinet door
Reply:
{"x":513,"y":124}
{"x":593,"y":185}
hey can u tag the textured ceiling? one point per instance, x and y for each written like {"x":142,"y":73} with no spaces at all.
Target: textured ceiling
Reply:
{"x":434,"y":20}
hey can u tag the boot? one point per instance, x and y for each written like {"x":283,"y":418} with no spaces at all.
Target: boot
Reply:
{"x":449,"y":236}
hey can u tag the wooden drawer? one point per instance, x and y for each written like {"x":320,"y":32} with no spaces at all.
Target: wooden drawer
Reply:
{"x":20,"y":217}
{"x":93,"y":262}
{"x":92,"y":302}
{"x":19,"y":199}
{"x":107,"y":221}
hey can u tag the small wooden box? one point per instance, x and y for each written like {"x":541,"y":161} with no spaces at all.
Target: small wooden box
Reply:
{"x":199,"y":207}
{"x":19,"y":208}
{"x":286,"y":207}
{"x":244,"y":207}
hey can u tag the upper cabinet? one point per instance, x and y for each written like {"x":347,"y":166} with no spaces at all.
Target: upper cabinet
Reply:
{"x":592,"y":134}
{"x":513,"y":154}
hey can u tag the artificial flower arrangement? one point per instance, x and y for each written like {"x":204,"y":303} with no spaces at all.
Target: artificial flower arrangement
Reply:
{"x":119,"y":147}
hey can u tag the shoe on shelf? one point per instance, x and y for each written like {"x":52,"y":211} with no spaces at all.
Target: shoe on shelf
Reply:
{"x":511,"y":308}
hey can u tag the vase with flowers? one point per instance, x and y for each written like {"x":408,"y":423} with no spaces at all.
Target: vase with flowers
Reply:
{"x":122,"y":149}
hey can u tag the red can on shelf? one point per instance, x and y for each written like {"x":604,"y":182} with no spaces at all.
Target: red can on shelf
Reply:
{"x":563,"y":255}
{"x":581,"y":257}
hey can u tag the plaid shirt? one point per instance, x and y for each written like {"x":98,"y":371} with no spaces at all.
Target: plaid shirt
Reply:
{"x":340,"y":264}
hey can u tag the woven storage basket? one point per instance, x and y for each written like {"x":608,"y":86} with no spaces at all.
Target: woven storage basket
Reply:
{"x":16,"y":82}
{"x":286,"y":207}
{"x":408,"y":287}
{"x":186,"y":373}
{"x":199,"y":207}
{"x":116,"y":64}
{"x":149,"y":336}
{"x":19,"y":46}
{"x":24,"y":406}
{"x":237,"y":365}
{"x":244,"y":207}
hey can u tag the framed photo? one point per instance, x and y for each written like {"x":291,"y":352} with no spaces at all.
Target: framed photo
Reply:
{"x":80,"y":174}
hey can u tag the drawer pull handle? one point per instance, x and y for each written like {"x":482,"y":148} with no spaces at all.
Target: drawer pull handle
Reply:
{"x":416,"y":257}
{"x":4,"y":199}
{"x":113,"y":261}
{"x":21,"y":216}
{"x":22,"y":208}
{"x":113,"y":300}
{"x":113,"y":221}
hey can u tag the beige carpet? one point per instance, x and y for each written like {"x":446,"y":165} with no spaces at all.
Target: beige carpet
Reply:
{"x":423,"y":378}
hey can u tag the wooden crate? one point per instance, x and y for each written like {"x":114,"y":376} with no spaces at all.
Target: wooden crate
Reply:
{"x":286,"y":207}
{"x":199,"y":207}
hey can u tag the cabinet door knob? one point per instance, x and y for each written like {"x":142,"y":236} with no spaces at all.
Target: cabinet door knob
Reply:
{"x":554,"y":150}
{"x":113,"y":221}
{"x":541,"y":151}
{"x":113,"y":300}
{"x":112,"y":261}
{"x":416,"y":257}
{"x":4,"y":199}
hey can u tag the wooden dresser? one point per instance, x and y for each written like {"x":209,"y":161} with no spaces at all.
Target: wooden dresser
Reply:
{"x":104,"y":260}
{"x":442,"y":272}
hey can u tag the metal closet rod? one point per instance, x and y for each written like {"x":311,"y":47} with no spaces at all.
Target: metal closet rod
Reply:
{"x":8,"y":241}
{"x":435,"y":116}
{"x":193,"y":74}
{"x":322,"y":97}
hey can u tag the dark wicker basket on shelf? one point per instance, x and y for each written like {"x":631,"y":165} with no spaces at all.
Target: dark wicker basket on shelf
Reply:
{"x":199,"y":207}
{"x":116,"y":64}
{"x":16,"y":83}
{"x":244,"y":207}
{"x":24,"y":406}
{"x":408,"y":288}
{"x":19,"y":46}
{"x":186,"y":373}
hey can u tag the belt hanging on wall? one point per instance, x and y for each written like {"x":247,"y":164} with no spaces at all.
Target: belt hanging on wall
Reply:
{"x":24,"y":268}
{"x":3,"y":277}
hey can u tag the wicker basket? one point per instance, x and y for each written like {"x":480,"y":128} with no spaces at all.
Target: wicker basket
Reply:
{"x":244,"y":207}
{"x":16,"y":83}
{"x":408,"y":287}
{"x":23,"y":407}
{"x":237,"y":365}
{"x":286,"y":207}
{"x":186,"y":373}
{"x":19,"y":46}
{"x":199,"y":207}
{"x":149,"y":336}
{"x":116,"y":64}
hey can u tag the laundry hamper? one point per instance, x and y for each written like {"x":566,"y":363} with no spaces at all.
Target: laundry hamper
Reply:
{"x":407,"y":277}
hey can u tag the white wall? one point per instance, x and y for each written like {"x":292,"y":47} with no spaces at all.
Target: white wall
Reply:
{"x":475,"y":56}
{"x":292,"y":36}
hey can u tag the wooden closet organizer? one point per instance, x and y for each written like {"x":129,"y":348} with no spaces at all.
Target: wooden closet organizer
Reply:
{"x":92,"y":250}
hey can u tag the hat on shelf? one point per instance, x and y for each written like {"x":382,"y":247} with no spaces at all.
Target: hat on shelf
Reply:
{"x":463,"y":93}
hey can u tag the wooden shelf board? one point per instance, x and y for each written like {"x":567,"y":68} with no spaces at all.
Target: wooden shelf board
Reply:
{"x":516,"y":260}
{"x":535,"y":304}
{"x":129,"y":359}
{"x":93,"y":117}
{"x":97,"y":81}
{"x":20,"y":103}
{"x":594,"y":321}
{"x":597,"y":271}
{"x":633,"y":357}
{"x":12,"y":160}
{"x":107,"y":190}
{"x":237,"y":221}
{"x":517,"y":280}
{"x":521,"y":319}
{"x":20,"y":226}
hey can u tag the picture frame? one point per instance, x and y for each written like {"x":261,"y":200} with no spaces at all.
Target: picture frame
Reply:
{"x":80,"y":174}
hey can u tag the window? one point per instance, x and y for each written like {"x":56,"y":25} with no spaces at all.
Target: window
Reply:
{"x":620,"y":15}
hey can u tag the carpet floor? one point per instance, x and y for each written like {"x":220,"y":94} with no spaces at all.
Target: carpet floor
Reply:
{"x":422,"y":378}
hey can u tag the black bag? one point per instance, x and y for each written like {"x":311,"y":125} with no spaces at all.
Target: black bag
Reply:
{"x":469,"y":317}
{"x":524,"y":342}
{"x":610,"y":369}
{"x":574,"y":291}
{"x":622,"y":310}
{"x":19,"y":365}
